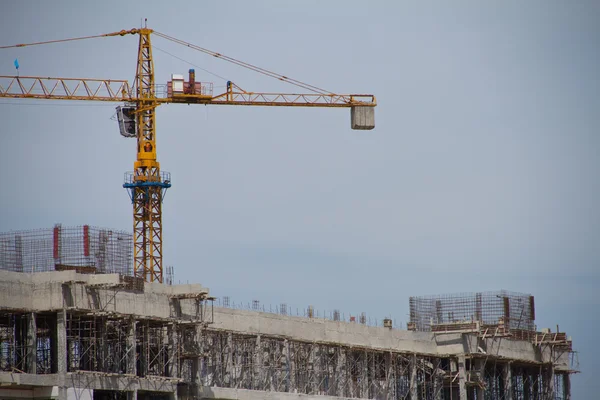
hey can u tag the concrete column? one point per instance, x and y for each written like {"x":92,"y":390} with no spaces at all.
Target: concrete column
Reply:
{"x":258,"y":376}
{"x":535,"y":384}
{"x":143,"y":356}
{"x":292,"y":366}
{"x":414,"y":389}
{"x":61,"y":342}
{"x":285,"y":366}
{"x":438,"y":381}
{"x":270,"y":372}
{"x":173,"y":352}
{"x":60,"y":352}
{"x":548,"y":381}
{"x":462,"y":377}
{"x":228,"y":379}
{"x":388,"y":376}
{"x":373,"y":384}
{"x":31,"y":361}
{"x":197,"y":361}
{"x":315,"y":369}
{"x":340,"y":373}
{"x":566,"y":386}
{"x":479,"y":368}
{"x":275,"y":374}
{"x":364,"y":376}
{"x":131,"y":349}
{"x":526,"y":385}
{"x":508,"y":386}
{"x":352,"y":378}
{"x":101,"y":351}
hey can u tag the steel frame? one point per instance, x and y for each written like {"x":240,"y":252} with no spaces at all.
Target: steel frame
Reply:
{"x":115,"y":90}
{"x":148,"y":185}
{"x":35,"y":87}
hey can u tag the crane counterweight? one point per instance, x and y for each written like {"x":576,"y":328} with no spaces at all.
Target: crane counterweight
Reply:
{"x":362,"y":118}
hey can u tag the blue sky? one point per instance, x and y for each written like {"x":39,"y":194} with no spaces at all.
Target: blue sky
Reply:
{"x":482,"y":172}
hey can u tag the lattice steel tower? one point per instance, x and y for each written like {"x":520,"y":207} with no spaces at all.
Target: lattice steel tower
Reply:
{"x":146,"y":184}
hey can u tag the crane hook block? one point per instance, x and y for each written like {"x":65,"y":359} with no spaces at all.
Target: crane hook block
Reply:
{"x":362,"y":117}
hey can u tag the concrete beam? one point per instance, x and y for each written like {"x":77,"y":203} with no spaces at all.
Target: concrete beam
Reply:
{"x":14,"y":379}
{"x":42,"y":393}
{"x":120,"y":382}
{"x":245,"y":394}
{"x":92,"y":381}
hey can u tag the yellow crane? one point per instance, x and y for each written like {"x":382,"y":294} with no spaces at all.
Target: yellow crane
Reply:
{"x":147,"y":183}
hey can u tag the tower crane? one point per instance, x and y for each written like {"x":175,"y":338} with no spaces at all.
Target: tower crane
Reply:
{"x":147,"y":183}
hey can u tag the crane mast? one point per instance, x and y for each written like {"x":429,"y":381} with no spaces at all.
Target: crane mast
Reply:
{"x":147,"y":183}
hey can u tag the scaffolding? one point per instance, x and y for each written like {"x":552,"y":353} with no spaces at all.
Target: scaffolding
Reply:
{"x":508,"y":309}
{"x":183,"y":348}
{"x":259,"y":362}
{"x":194,"y":354}
{"x":26,"y":342}
{"x":110,"y":336}
{"x":14,"y":345}
{"x":83,"y":248}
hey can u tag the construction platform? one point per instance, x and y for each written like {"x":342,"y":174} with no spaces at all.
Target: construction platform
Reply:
{"x":73,"y":335}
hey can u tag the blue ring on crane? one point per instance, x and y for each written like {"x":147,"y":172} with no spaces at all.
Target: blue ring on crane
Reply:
{"x":164,"y":185}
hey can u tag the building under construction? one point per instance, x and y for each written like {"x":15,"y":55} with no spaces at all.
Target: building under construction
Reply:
{"x":75,"y":324}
